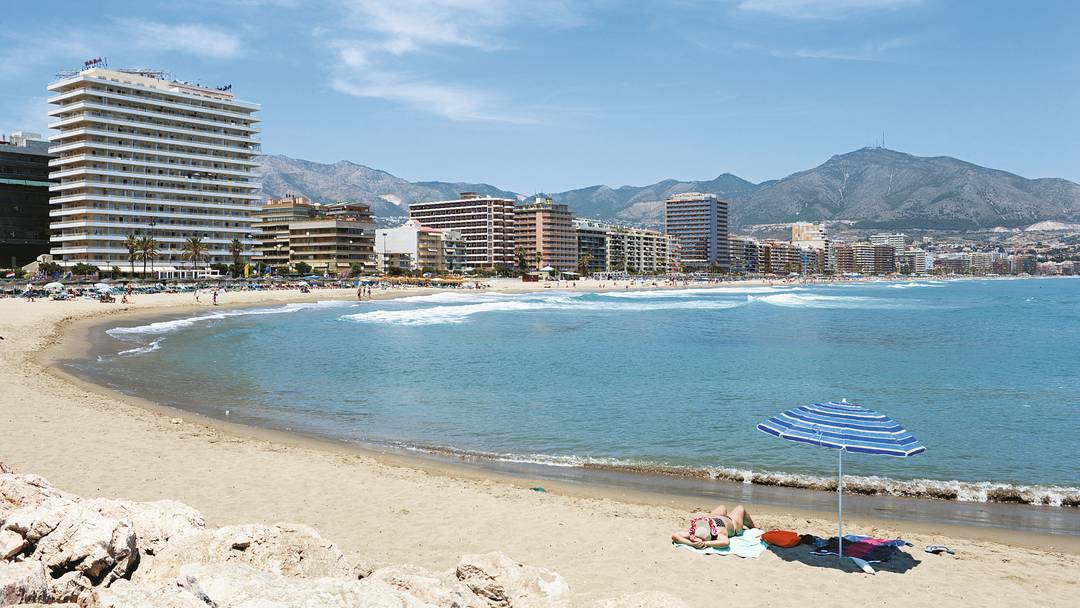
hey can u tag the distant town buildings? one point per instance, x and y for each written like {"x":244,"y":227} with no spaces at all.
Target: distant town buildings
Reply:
{"x":24,"y":198}
{"x":545,"y":235}
{"x":700,"y":223}
{"x":139,"y":154}
{"x":485,"y":222}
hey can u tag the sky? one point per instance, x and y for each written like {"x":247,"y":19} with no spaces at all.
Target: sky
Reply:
{"x":550,"y":95}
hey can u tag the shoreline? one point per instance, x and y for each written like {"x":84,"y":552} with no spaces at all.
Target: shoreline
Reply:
{"x":88,"y":439}
{"x":990,"y":518}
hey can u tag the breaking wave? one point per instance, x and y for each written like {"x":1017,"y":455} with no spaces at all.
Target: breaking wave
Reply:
{"x":139,"y":333}
{"x":813,"y":300}
{"x":953,"y":490}
{"x":462,"y":313}
{"x":912,"y":285}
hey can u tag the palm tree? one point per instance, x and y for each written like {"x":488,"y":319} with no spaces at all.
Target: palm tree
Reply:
{"x":236,"y":248}
{"x":539,"y":260}
{"x":583,"y":263}
{"x":132,"y":245}
{"x":194,"y":250}
{"x":522,"y":258}
{"x":147,"y":250}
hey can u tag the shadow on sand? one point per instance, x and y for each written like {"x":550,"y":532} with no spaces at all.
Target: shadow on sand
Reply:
{"x":899,"y":563}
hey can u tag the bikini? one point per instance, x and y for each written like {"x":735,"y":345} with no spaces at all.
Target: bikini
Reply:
{"x":712,"y":525}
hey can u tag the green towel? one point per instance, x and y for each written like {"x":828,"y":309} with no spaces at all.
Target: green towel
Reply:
{"x":747,"y":544}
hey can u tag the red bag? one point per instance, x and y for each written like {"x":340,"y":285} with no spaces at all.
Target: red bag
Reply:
{"x":781,"y":538}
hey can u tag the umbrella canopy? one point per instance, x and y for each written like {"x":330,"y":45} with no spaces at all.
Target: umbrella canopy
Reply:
{"x":102,"y":287}
{"x":54,"y":285}
{"x":846,"y":427}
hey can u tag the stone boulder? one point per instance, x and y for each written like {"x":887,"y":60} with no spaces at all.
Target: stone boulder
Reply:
{"x":155,"y":523}
{"x":503,"y":582}
{"x":288,"y":549}
{"x":68,"y":536}
{"x":240,"y":586}
{"x":427,"y":587}
{"x":23,"y":582}
{"x":21,"y":491}
{"x":125,"y":594}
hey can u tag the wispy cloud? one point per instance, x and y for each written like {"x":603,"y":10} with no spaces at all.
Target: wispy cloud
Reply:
{"x":870,"y":51}
{"x":821,"y":9}
{"x":377,"y":35}
{"x":191,"y":38}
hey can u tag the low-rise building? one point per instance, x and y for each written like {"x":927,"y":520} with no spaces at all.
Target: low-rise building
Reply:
{"x":332,"y":239}
{"x":641,"y":251}
{"x":428,"y":249}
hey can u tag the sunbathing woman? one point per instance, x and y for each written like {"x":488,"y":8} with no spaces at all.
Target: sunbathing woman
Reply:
{"x":714,"y":529}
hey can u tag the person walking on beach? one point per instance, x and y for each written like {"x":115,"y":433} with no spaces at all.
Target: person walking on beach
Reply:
{"x":215,"y":294}
{"x":360,"y":293}
{"x":714,"y":529}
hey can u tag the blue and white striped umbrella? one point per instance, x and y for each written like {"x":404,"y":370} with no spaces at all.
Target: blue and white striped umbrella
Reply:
{"x":846,"y":427}
{"x":843,"y":425}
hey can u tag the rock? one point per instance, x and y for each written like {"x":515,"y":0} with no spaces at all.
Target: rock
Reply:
{"x":643,"y":599}
{"x":288,"y":549}
{"x":125,"y":594}
{"x":68,"y":536}
{"x":23,"y":582}
{"x":11,"y":544}
{"x":20,"y":491}
{"x":427,"y":587}
{"x":235,"y":584}
{"x":155,"y":523}
{"x":502,"y":582}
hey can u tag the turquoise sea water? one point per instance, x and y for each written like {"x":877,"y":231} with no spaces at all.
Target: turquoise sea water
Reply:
{"x":985,"y":373}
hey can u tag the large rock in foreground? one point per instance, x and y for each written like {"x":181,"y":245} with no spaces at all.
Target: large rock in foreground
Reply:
{"x":22,"y":583}
{"x":505,"y":583}
{"x":288,"y":549}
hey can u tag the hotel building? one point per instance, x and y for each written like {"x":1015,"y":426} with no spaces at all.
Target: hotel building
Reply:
{"x":700,"y":223}
{"x":545,"y":231}
{"x":272,"y":228}
{"x":24,"y":199}
{"x":486,"y":224}
{"x":139,"y":154}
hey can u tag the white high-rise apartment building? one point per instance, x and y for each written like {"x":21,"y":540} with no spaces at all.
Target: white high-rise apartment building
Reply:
{"x":138,"y":154}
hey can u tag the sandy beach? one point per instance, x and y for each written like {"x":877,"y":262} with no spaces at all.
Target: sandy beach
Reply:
{"x":390,"y":508}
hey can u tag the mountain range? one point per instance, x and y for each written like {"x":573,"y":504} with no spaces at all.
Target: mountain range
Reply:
{"x":868,"y":188}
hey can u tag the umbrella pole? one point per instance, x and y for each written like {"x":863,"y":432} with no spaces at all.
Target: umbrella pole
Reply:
{"x":840,"y":503}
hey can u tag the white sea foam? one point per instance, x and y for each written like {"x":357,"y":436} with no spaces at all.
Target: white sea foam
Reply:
{"x":441,"y":315}
{"x":911,"y":285}
{"x":142,"y":350}
{"x":164,"y":327}
{"x":691,"y":293}
{"x":959,"y":491}
{"x":814,"y":300}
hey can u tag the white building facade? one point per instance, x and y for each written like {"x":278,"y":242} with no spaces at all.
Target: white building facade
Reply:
{"x":138,"y":154}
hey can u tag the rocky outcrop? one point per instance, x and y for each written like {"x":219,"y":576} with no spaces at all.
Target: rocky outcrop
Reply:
{"x":57,"y":547}
{"x":288,"y":549}
{"x":23,"y":582}
{"x":503,"y":582}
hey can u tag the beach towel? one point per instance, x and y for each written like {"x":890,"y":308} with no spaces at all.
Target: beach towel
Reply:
{"x":747,"y":544}
{"x":862,"y":547}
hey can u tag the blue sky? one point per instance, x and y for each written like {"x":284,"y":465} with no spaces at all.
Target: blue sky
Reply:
{"x":552,"y":95}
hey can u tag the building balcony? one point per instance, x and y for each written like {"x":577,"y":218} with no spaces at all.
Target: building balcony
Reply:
{"x":146,"y":150}
{"x":85,"y":107}
{"x":84,"y":132}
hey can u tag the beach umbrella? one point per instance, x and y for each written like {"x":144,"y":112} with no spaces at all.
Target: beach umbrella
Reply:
{"x":103,"y":287}
{"x":54,"y":285}
{"x":845,"y":427}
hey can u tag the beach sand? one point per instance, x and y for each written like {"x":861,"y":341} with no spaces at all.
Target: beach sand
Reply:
{"x":390,"y":508}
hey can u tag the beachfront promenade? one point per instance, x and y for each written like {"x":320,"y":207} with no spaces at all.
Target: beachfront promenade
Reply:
{"x":387,"y":508}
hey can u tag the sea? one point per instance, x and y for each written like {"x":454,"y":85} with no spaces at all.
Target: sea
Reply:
{"x":653,"y":384}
